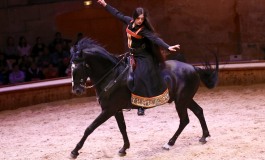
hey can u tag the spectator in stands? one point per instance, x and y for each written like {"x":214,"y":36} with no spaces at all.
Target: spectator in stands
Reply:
{"x":60,"y":58}
{"x":4,"y":71}
{"x":50,"y":72}
{"x":3,"y":68}
{"x":43,"y":60}
{"x":11,"y":52}
{"x":16,"y":75}
{"x":62,"y":69}
{"x":34,"y":73}
{"x":56,"y":56}
{"x":24,"y":49}
{"x":57,"y":39}
{"x":79,"y":36}
{"x":37,"y":48}
{"x":2,"y":59}
{"x":25,"y":62}
{"x":59,"y":55}
{"x":68,"y":71}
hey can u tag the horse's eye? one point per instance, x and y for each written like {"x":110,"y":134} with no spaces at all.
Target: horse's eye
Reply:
{"x":87,"y":65}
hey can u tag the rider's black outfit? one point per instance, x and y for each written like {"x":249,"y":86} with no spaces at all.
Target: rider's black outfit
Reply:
{"x":148,"y":87}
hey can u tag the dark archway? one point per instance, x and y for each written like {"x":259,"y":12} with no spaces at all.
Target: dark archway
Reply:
{"x":94,"y":23}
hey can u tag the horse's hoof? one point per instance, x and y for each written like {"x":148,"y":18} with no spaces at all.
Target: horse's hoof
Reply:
{"x":171,"y":142}
{"x":73,"y":155}
{"x":122,"y":154}
{"x":204,"y":140}
{"x":166,"y":146}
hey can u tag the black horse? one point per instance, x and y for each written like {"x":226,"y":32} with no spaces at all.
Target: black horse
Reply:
{"x":108,"y":74}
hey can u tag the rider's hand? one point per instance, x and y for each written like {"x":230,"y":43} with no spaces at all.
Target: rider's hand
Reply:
{"x":173,"y":48}
{"x":102,"y":2}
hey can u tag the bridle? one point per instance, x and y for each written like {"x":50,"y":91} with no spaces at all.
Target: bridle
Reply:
{"x":82,"y":84}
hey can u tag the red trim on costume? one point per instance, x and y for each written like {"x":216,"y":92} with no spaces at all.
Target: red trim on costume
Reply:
{"x":134,"y":34}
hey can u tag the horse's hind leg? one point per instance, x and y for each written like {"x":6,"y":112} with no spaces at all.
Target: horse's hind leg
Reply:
{"x":104,"y":115}
{"x":184,"y":121}
{"x":122,"y":126}
{"x":198,"y":111}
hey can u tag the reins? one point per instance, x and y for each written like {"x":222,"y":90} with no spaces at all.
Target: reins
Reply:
{"x":105,"y":75}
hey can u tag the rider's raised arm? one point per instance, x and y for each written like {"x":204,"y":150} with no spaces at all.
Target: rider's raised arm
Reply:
{"x":118,"y":14}
{"x":155,"y":39}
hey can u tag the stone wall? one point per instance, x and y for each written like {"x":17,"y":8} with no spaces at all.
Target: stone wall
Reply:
{"x":229,"y":27}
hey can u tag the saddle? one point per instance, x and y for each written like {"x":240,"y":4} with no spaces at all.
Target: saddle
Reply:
{"x":130,"y":64}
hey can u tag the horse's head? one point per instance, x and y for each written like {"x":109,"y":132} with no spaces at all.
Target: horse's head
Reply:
{"x":89,"y":60}
{"x":80,"y":71}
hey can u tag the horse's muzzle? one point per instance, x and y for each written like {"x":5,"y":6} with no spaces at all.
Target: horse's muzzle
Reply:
{"x":78,"y":91}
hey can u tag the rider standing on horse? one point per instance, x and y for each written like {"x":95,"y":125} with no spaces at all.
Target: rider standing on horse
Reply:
{"x":148,"y":87}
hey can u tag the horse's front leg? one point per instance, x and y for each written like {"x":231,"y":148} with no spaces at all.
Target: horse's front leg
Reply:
{"x":104,"y":115}
{"x":122,"y":126}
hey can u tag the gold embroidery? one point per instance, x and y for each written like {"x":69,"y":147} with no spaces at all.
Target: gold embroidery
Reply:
{"x":148,"y":102}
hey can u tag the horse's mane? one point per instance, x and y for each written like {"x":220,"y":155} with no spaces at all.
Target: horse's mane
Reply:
{"x":89,"y":46}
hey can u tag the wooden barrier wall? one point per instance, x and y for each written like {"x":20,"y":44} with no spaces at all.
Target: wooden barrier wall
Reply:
{"x":35,"y":93}
{"x":241,"y":74}
{"x":13,"y":97}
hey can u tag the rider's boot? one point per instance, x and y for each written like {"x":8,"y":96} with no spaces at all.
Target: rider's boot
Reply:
{"x":140,"y":112}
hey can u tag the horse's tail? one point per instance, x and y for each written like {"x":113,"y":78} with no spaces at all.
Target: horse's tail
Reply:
{"x":208,"y":74}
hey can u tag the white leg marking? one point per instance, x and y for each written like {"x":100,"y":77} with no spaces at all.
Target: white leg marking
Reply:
{"x":166,"y":147}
